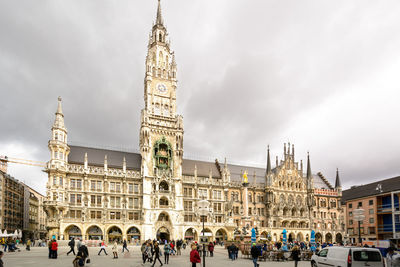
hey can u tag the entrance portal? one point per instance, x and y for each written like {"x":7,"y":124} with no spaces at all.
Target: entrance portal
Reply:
{"x":163,"y":234}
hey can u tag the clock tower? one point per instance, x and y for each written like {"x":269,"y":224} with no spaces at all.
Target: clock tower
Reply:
{"x":161,"y":136}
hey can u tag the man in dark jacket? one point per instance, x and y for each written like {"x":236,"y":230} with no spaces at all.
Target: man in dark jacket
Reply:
{"x":255,"y":253}
{"x":125,"y":246}
{"x":84,"y":251}
{"x":71,"y":244}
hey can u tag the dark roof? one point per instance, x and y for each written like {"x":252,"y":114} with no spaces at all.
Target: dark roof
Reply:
{"x":203,"y":168}
{"x":237,"y":173}
{"x":96,"y":157}
{"x":387,"y":185}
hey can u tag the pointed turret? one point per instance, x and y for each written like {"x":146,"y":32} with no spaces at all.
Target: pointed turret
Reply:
{"x":59,"y":121}
{"x":309,"y":173}
{"x":268,"y":162}
{"x":338,"y":185}
{"x":159,"y":19}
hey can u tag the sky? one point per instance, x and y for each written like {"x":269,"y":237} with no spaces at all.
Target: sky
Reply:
{"x":323,"y":75}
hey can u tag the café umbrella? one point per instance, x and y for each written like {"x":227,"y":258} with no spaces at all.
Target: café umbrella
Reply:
{"x":312,"y":239}
{"x":284,"y":238}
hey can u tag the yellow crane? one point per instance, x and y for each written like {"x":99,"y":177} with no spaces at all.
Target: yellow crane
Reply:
{"x":23,"y":161}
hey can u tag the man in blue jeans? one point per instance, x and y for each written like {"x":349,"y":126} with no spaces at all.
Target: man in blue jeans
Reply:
{"x":255,"y":253}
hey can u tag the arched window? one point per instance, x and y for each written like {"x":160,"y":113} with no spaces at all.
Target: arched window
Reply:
{"x":164,"y":186}
{"x":163,"y":202}
{"x":160,"y":37}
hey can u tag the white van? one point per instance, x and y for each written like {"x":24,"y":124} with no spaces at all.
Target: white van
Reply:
{"x":348,"y":257}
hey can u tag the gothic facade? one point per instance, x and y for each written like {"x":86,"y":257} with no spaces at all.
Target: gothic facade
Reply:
{"x":96,"y":193}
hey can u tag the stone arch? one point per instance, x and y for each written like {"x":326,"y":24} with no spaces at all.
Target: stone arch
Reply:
{"x":190,"y":234}
{"x":318,"y":237}
{"x":163,"y":202}
{"x":114,"y":233}
{"x":163,"y":186}
{"x":285,"y":211}
{"x":94,"y":232}
{"x":339,"y":238}
{"x":264,"y":234}
{"x":208,"y":234}
{"x":291,"y":237}
{"x":284,"y":223}
{"x":133,"y":234}
{"x":294,"y":212}
{"x":163,"y":234}
{"x":72,"y":231}
{"x":328,"y":238}
{"x":293,"y":224}
{"x":221,"y":235}
{"x":163,"y":217}
{"x":300,"y":237}
{"x":302,"y":212}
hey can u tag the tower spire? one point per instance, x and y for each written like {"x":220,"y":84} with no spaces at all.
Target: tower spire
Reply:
{"x":59,"y":121}
{"x":268,"y":162}
{"x":337,"y":182}
{"x":159,"y":19}
{"x":309,"y":175}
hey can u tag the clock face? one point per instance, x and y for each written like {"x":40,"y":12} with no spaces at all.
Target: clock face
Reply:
{"x":161,"y":88}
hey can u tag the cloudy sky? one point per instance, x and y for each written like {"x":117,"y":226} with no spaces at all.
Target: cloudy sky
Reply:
{"x":323,"y":75}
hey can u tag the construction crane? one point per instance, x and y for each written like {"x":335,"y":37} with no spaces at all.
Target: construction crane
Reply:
{"x":5,"y":160}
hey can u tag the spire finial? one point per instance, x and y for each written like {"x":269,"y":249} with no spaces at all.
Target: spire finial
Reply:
{"x":59,"y":107}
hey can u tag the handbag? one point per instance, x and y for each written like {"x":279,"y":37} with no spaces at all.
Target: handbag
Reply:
{"x":88,"y":260}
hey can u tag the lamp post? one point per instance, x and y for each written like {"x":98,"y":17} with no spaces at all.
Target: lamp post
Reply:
{"x":204,"y":210}
{"x":359,"y":216}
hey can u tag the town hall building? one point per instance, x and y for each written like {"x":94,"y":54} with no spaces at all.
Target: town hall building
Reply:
{"x":95,"y":193}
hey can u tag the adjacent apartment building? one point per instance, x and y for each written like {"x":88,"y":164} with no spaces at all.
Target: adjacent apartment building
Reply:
{"x":380,"y":202}
{"x":21,"y":207}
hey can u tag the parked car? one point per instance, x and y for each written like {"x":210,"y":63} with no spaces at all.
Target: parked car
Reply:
{"x":348,"y":257}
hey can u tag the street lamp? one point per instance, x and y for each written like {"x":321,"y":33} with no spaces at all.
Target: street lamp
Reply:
{"x":203,"y":210}
{"x":359,"y":216}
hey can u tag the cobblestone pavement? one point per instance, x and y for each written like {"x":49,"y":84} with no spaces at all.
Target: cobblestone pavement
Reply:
{"x":38,"y":257}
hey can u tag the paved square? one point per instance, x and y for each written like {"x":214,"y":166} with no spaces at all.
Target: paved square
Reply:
{"x":38,"y":256}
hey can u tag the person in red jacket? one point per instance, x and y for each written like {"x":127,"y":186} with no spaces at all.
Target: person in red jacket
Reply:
{"x":54,"y":248}
{"x":194,"y":256}
{"x":211,"y":249}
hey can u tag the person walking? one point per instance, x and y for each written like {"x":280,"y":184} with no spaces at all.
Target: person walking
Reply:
{"x":211,"y":249}
{"x":28,"y":245}
{"x":78,"y":244}
{"x":194,"y":256}
{"x":167,"y":250}
{"x":54,"y":249}
{"x":102,"y":248}
{"x":124,"y":246}
{"x":144,"y":249}
{"x":295,"y":255}
{"x":157,"y":254}
{"x":255,"y":253}
{"x":71,"y":245}
{"x":115,"y":250}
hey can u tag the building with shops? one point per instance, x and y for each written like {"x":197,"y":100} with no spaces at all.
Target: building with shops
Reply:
{"x":96,"y":193}
{"x":21,"y":207}
{"x":380,"y":202}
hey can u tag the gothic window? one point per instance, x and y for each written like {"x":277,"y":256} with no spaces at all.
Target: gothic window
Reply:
{"x":157,"y":110}
{"x":164,"y":186}
{"x":166,"y":110}
{"x":163,"y":217}
{"x":163,"y":202}
{"x":163,"y":154}
{"x":160,"y":37}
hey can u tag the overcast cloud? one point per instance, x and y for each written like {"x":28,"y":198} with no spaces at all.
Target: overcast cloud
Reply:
{"x":323,"y":75}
